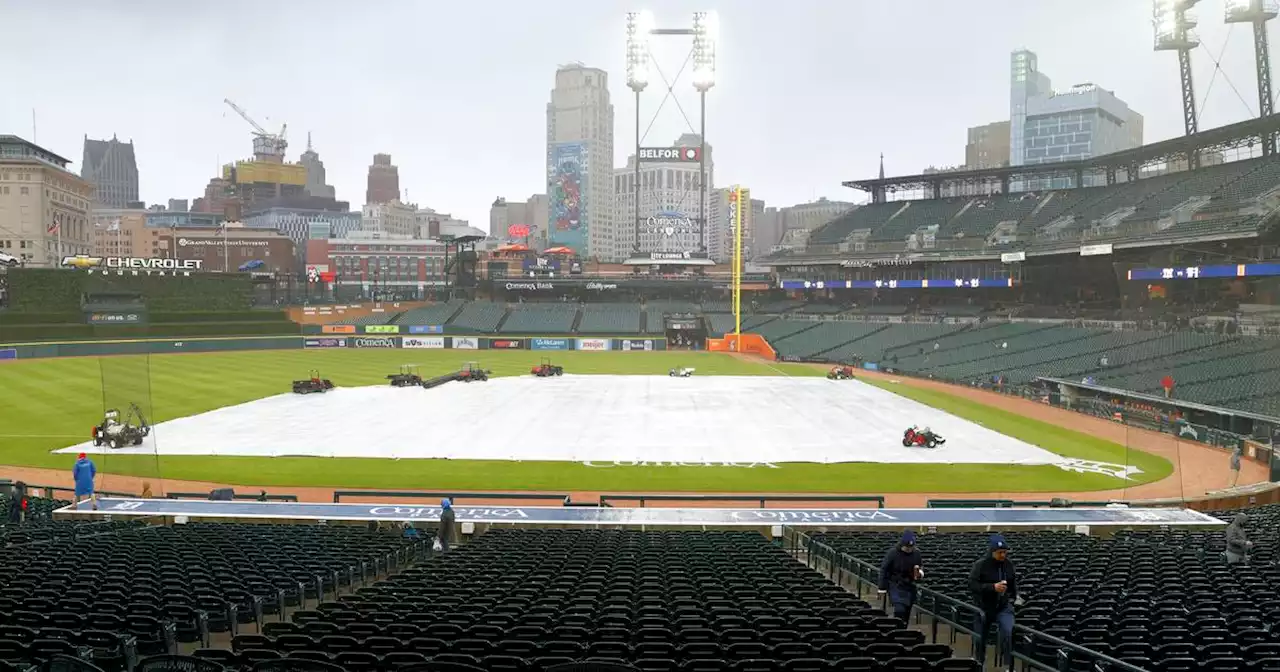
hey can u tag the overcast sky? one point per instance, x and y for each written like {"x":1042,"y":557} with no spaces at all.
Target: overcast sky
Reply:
{"x":810,"y":92}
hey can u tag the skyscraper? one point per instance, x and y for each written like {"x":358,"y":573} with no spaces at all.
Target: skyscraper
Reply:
{"x":110,"y":165}
{"x":384,"y":181}
{"x":669,"y":209}
{"x":580,"y":160}
{"x":316,"y":185}
{"x":1047,"y":126}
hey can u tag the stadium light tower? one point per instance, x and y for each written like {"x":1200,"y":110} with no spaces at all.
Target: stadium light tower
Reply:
{"x":705,"y":33}
{"x":1175,"y":31}
{"x":1258,"y":12}
{"x":639,"y":28}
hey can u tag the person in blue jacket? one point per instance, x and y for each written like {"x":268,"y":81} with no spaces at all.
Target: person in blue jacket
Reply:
{"x":901,"y":568}
{"x":993,"y":581}
{"x":84,"y":473}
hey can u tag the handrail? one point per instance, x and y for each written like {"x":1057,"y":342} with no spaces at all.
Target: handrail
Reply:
{"x":245,"y":497}
{"x":930,"y":597}
{"x":58,"y":488}
{"x":761,"y":499}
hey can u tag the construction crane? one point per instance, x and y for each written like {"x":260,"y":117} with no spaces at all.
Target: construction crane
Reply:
{"x":267,"y":146}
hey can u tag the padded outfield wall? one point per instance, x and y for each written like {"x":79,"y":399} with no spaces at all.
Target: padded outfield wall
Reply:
{"x":162,"y":346}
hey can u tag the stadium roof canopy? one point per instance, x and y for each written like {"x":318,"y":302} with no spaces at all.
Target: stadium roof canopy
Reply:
{"x":1129,"y":162}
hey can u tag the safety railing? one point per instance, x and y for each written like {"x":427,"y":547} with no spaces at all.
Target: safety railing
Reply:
{"x":761,"y":500}
{"x":34,"y":490}
{"x":262,"y":497}
{"x":959,"y":616}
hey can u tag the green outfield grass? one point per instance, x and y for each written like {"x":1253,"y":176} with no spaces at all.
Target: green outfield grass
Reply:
{"x":51,"y":403}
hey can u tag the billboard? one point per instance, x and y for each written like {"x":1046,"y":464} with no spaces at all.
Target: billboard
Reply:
{"x":426,"y":329}
{"x":338,"y":329}
{"x":566,"y":183}
{"x":668,"y":223}
{"x":540,"y":265}
{"x":466,"y":343}
{"x":374,"y":342}
{"x":518,"y":231}
{"x":506,"y":344}
{"x":669,"y":154}
{"x":549,"y":344}
{"x":115,"y":318}
{"x":324,"y":343}
{"x":428,"y":342}
{"x":593,"y":344}
{"x":382,"y":329}
{"x":629,"y":344}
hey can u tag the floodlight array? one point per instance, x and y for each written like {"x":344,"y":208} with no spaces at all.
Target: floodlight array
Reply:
{"x":706,"y":29}
{"x":639,"y":27}
{"x":1173,"y":25}
{"x":1249,"y":11}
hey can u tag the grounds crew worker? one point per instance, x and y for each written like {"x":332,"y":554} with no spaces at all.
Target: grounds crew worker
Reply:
{"x":445,"y":536}
{"x":994,"y":584}
{"x":901,"y":568}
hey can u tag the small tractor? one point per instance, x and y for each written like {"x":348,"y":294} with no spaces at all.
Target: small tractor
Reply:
{"x":117,"y":434}
{"x":841,"y":372}
{"x":313,"y":384}
{"x":472,"y":371}
{"x":408,"y":377}
{"x":546,"y":369}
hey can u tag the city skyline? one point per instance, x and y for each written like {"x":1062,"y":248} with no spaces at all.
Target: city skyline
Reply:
{"x":791,"y":121}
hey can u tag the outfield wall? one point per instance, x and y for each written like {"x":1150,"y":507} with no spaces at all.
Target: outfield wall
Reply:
{"x":160,"y":346}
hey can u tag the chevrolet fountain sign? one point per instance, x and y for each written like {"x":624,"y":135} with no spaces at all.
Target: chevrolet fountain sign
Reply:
{"x":133,"y":265}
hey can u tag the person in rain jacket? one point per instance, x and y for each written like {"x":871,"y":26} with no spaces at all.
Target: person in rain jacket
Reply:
{"x":1238,"y":543}
{"x":83,"y":473}
{"x":901,"y":568}
{"x":445,"y":535}
{"x":993,"y":581}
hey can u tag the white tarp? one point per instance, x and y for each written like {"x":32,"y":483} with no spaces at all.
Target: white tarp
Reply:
{"x":702,"y":419}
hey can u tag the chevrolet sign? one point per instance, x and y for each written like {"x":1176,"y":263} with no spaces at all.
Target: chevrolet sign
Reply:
{"x":84,"y":261}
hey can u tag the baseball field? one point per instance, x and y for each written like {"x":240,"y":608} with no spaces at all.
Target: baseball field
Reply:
{"x":51,"y":404}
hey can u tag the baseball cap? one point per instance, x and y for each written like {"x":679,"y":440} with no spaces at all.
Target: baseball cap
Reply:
{"x":80,"y":456}
{"x":908,"y":538}
{"x":997,"y":543}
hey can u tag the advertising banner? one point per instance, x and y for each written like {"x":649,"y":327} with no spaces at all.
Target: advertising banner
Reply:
{"x":381,"y":328}
{"x":506,"y":344}
{"x":426,"y":329}
{"x":567,"y":215}
{"x":324,"y":343}
{"x":549,"y":344}
{"x":593,"y":344}
{"x":115,"y":318}
{"x":338,"y":329}
{"x":629,"y":344}
{"x":374,"y":342}
{"x":670,"y":154}
{"x":429,"y":342}
{"x":540,"y":265}
{"x":466,"y":343}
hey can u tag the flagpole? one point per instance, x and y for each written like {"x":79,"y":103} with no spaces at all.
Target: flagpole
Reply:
{"x":225,"y":264}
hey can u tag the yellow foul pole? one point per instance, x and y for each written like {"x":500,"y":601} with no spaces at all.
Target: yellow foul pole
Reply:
{"x":735,"y":196}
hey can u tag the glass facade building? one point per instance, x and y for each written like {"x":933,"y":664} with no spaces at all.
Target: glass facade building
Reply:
{"x":1047,"y":126}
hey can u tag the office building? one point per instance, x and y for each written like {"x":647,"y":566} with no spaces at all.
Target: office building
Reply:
{"x":532,"y":213}
{"x":392,"y":217}
{"x":237,"y":247}
{"x":316,"y":179}
{"x":112,"y":168}
{"x":987,"y":146}
{"x":300,"y":225}
{"x":369,"y":263}
{"x":580,"y":161}
{"x":383,"y":182}
{"x":668,"y":193}
{"x":1048,"y":126}
{"x":720,"y":219}
{"x":44,"y":208}
{"x":123,"y":232}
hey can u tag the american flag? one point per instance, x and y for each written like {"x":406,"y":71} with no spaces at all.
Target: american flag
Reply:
{"x":55,"y":225}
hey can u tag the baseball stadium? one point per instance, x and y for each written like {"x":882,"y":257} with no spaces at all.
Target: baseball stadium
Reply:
{"x":1010,"y":418}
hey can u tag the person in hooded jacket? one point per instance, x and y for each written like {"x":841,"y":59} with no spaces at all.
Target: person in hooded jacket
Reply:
{"x":993,"y":581}
{"x":83,"y":474}
{"x":901,"y":568}
{"x":445,"y":535}
{"x":1238,"y":543}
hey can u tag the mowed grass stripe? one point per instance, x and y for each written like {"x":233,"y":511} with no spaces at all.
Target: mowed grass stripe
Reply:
{"x":62,"y":397}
